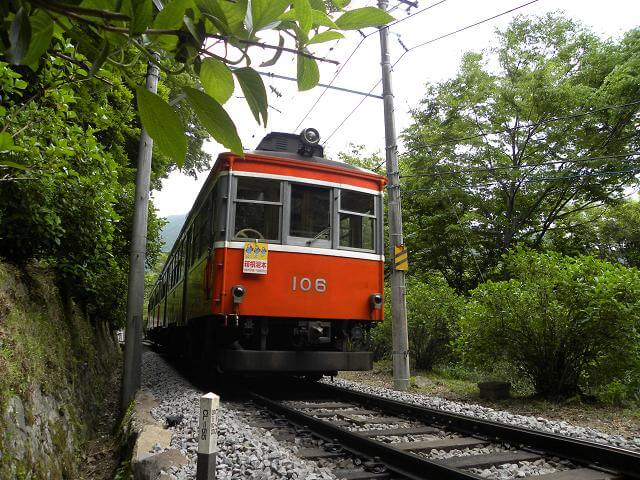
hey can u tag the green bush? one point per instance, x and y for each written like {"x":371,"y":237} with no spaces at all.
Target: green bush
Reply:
{"x":433,"y":309}
{"x":569,"y":324}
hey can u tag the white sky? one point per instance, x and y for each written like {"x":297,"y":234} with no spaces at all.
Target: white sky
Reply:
{"x":432,"y":63}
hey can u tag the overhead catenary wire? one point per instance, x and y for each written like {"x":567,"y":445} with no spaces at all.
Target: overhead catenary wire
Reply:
{"x":519,"y":167}
{"x":523,"y":126}
{"x":353,"y":52}
{"x":630,"y":172}
{"x":428,"y":42}
{"x":415,"y":148}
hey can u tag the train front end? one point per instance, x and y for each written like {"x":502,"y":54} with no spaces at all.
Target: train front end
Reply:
{"x":300,"y":275}
{"x":279,"y":267}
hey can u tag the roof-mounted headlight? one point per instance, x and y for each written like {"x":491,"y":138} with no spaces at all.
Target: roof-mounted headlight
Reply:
{"x":310,"y":136}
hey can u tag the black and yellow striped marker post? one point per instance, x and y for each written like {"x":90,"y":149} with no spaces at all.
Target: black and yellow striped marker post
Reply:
{"x":401,"y":258}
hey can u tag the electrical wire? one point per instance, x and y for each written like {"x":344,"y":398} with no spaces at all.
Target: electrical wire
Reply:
{"x":344,"y":64}
{"x":518,"y":127}
{"x":519,"y":167}
{"x":631,"y":172}
{"x":428,"y":42}
{"x":480,"y":22}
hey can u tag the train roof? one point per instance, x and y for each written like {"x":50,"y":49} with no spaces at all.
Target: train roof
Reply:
{"x":313,"y":159}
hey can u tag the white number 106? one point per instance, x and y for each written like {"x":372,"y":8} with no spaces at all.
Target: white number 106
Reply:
{"x":305,"y":284}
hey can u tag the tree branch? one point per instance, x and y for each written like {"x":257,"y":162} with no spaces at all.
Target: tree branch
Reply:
{"x":272,"y":47}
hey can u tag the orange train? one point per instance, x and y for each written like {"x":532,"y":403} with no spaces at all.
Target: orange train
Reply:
{"x":279,"y":266}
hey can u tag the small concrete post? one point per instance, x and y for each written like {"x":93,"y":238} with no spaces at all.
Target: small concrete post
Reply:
{"x":208,"y":437}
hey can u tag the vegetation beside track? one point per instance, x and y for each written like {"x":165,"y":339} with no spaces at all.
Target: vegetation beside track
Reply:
{"x":520,"y":222}
{"x":56,"y":368}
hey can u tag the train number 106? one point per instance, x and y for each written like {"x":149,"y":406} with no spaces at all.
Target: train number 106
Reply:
{"x":307,"y":284}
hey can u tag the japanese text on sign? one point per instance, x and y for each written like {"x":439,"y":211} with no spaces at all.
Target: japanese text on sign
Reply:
{"x":255,"y":258}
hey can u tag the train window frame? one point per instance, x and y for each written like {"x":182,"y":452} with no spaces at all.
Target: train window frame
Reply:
{"x":235,"y":201}
{"x":376,"y":234}
{"x":310,"y":242}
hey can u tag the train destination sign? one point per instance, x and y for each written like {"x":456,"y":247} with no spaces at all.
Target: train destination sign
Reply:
{"x":255,"y":258}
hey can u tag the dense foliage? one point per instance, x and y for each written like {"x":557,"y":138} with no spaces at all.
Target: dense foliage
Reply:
{"x":532,"y":145}
{"x":567,"y":323}
{"x":70,"y":202}
{"x":524,"y":139}
{"x":433,"y":310}
{"x":208,"y":39}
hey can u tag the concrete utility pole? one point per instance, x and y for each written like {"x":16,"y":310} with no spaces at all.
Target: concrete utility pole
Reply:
{"x":135,"y":298}
{"x":400,"y":353}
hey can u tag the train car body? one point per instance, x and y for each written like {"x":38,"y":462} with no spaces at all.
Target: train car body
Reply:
{"x":279,"y":265}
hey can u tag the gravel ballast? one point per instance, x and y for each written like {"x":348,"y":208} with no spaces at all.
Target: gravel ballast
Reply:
{"x":247,"y":451}
{"x":486,"y":413}
{"x":243,"y":451}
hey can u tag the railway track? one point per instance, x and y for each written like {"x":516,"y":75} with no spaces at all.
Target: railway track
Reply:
{"x":390,"y":439}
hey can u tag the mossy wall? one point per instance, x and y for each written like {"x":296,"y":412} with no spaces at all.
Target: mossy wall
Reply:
{"x":55,"y":366}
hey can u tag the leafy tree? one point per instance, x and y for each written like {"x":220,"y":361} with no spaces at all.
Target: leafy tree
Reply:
{"x":209,"y":39}
{"x":612,"y":233}
{"x":526,"y":136}
{"x":69,"y":202}
{"x":565,"y":323}
{"x":357,"y":157}
{"x":433,"y":312}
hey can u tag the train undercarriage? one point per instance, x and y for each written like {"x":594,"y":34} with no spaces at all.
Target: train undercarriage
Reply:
{"x":237,"y":344}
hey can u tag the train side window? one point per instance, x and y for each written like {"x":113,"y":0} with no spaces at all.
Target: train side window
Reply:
{"x":258,"y":208}
{"x":310,"y":215}
{"x":357,"y":220}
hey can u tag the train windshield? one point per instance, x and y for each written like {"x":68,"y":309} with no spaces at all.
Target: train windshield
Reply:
{"x":258,"y":206}
{"x":357,"y":220}
{"x":310,"y":212}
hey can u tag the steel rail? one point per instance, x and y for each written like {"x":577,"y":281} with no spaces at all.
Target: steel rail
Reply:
{"x":405,"y":464}
{"x":590,"y":454}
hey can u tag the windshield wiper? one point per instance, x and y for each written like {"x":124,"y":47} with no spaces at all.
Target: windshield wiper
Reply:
{"x":320,"y":234}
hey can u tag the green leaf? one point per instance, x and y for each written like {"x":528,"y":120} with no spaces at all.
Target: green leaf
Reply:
{"x":210,"y":7}
{"x":318,"y":5}
{"x":235,"y":13}
{"x":5,"y":163}
{"x":340,"y":4}
{"x":217,"y":80}
{"x":308,"y":73}
{"x":141,"y":16}
{"x":265,"y":12}
{"x":325,"y":37}
{"x":254,"y":92}
{"x":163,"y":125}
{"x":214,"y":118}
{"x":7,"y":145}
{"x":171,"y":16}
{"x":6,"y":142}
{"x":362,"y":18}
{"x":303,"y":15}
{"x":41,"y":33}
{"x":19,"y":36}
{"x":322,"y":19}
{"x":288,"y":16}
